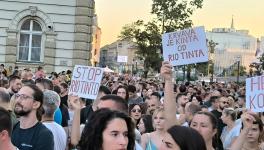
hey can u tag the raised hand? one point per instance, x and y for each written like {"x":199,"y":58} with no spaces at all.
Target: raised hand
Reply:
{"x":74,"y":101}
{"x":247,"y":120}
{"x":166,"y":70}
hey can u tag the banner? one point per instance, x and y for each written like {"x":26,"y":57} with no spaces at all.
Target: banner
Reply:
{"x":86,"y":81}
{"x":255,"y":94}
{"x":122,"y":59}
{"x":187,"y":46}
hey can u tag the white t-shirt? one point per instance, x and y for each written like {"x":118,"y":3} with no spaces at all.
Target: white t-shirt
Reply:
{"x":59,"y":134}
{"x":228,"y":136}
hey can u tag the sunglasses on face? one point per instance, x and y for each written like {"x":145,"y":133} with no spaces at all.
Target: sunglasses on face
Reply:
{"x":225,"y":102}
{"x":136,"y":110}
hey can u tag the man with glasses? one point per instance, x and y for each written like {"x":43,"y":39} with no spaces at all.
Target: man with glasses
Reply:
{"x":5,"y":130}
{"x":29,"y":133}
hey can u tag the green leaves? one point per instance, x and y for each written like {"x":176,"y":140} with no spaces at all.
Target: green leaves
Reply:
{"x":175,"y":14}
{"x":171,"y":15}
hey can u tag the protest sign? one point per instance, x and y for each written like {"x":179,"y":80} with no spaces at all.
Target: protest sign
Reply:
{"x":187,"y":46}
{"x":122,"y":59}
{"x":86,"y":81}
{"x":255,"y":94}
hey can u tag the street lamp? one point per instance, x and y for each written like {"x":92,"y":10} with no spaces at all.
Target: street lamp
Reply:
{"x":238,"y":68}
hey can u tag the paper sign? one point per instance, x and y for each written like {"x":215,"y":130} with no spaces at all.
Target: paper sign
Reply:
{"x":122,"y":59}
{"x":187,"y":46}
{"x":255,"y":94}
{"x":86,"y":81}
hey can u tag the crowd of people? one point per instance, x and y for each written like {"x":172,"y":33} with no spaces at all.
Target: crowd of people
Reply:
{"x":129,"y":113}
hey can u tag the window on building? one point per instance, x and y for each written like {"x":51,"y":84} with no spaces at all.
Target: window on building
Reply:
{"x":30,"y":41}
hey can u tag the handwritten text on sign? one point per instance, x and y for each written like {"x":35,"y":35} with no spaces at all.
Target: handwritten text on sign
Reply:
{"x":255,"y":94}
{"x":86,"y":81}
{"x":185,"y":47}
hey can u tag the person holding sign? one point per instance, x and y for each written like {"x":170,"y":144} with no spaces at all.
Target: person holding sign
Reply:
{"x":251,"y":134}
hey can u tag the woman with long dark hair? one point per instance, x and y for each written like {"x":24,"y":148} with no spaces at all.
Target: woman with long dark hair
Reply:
{"x":183,"y":138}
{"x":107,"y":130}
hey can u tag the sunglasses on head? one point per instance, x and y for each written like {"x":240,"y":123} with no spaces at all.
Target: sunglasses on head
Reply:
{"x":136,"y":110}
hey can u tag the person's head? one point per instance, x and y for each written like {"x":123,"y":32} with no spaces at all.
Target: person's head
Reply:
{"x":104,"y":90}
{"x":153,"y":104}
{"x":231,"y":101}
{"x":190,"y":110}
{"x":216,"y":93}
{"x":190,"y":90}
{"x":64,"y":87}
{"x":156,"y":96}
{"x":113,"y":102}
{"x":229,"y":114}
{"x":44,"y":84}
{"x":204,"y":108}
{"x":5,"y":126}
{"x":132,"y":91}
{"x":107,"y":130}
{"x":158,"y":119}
{"x":214,"y":100}
{"x":154,"y":87}
{"x":51,"y":101}
{"x":256,"y":133}
{"x":206,"y":124}
{"x":183,"y":138}
{"x":40,"y":68}
{"x":4,"y":83}
{"x":144,"y":92}
{"x":122,"y":91}
{"x":135,"y":111}
{"x":182,"y":99}
{"x":223,"y":103}
{"x":57,"y":89}
{"x":196,"y":100}
{"x":28,"y":100}
{"x":241,"y":101}
{"x":4,"y":97}
{"x":15,"y":84}
{"x":182,"y":88}
{"x":145,"y":124}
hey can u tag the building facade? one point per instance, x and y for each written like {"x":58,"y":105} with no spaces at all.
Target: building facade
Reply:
{"x":232,"y":46}
{"x":95,"y":53}
{"x":109,"y":56}
{"x":55,"y":34}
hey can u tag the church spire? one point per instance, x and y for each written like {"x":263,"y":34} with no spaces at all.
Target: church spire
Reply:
{"x":232,"y":23}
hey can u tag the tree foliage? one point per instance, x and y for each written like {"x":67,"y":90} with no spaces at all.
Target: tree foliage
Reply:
{"x":171,"y":15}
{"x":242,"y":71}
{"x":175,"y":14}
{"x":147,"y":38}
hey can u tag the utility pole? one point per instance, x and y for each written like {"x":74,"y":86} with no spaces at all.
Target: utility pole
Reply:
{"x":238,"y":70}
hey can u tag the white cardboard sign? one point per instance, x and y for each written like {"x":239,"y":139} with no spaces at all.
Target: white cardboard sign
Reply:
{"x":86,"y":81}
{"x":255,"y":94}
{"x":187,"y":46}
{"x":122,"y":59}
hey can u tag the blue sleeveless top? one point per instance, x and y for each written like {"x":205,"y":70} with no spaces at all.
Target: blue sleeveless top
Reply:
{"x":151,"y":145}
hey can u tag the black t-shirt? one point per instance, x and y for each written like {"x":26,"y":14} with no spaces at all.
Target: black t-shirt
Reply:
{"x":37,"y":137}
{"x":65,"y":115}
{"x":86,"y":113}
{"x":64,"y":100}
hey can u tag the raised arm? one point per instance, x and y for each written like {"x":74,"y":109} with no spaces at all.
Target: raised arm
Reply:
{"x":169,"y":101}
{"x":75,"y":134}
{"x":247,"y":120}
